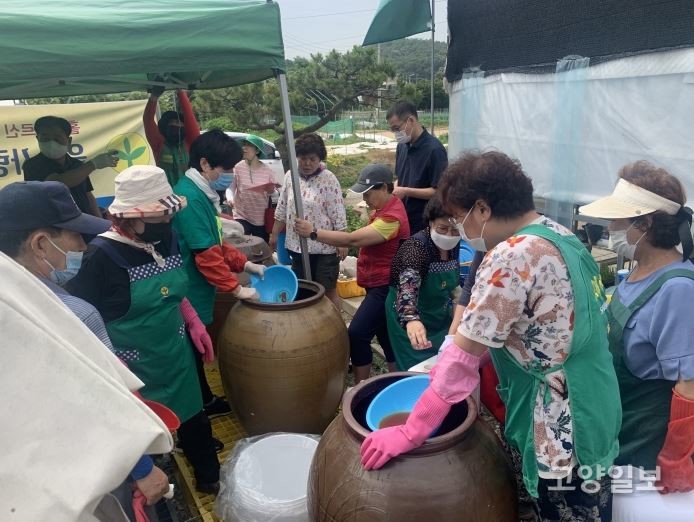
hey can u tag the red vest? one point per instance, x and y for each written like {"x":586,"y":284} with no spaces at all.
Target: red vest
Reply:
{"x":373,"y":264}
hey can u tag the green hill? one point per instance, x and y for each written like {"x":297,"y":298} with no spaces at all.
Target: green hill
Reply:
{"x":411,"y":57}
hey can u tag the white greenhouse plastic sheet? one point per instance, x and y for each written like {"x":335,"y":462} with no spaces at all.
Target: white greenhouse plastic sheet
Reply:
{"x":628,"y":109}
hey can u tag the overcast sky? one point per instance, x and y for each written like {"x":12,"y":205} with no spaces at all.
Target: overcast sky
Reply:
{"x":312,"y":26}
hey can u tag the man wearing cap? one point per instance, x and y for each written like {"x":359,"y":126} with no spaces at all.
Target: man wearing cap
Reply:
{"x":134,"y":275}
{"x":252,"y":184}
{"x":378,"y":242}
{"x":41,"y":229}
{"x":54,"y":163}
{"x":170,"y":138}
{"x":420,"y":159}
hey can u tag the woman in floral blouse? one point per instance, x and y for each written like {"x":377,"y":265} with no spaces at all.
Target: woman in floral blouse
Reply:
{"x":323,"y":206}
{"x":423,"y":277}
{"x":537,"y":305}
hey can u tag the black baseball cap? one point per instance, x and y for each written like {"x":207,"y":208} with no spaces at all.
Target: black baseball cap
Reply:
{"x":372,"y":174}
{"x":29,"y":205}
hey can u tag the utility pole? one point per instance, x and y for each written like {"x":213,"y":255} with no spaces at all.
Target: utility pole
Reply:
{"x":433,"y":48}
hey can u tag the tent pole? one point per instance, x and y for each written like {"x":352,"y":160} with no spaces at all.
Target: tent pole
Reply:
{"x":294,"y":167}
{"x":433,"y":49}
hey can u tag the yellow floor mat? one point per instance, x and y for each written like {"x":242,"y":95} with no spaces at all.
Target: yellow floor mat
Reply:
{"x":226,"y":428}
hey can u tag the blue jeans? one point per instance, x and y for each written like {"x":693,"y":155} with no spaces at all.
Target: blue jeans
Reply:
{"x":370,"y":321}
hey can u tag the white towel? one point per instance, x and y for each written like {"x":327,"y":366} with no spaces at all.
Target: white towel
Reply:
{"x":71,"y":428}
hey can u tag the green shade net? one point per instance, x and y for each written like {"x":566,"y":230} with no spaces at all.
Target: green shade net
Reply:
{"x":72,"y":47}
{"x":395,"y":19}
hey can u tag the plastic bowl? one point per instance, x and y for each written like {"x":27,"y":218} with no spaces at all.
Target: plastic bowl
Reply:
{"x":279,"y":285}
{"x":399,"y":397}
{"x":168,"y":417}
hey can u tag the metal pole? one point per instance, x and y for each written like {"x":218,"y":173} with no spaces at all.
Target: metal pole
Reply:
{"x":433,"y":48}
{"x":294,"y":168}
{"x":378,"y":91}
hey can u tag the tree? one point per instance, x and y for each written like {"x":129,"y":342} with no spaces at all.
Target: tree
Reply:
{"x":440,"y":94}
{"x":411,"y":57}
{"x":324,"y":85}
{"x":419,"y":92}
{"x":88,"y":98}
{"x":166,"y":102}
{"x":338,"y":80}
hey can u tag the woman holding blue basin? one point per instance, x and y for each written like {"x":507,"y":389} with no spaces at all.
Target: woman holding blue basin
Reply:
{"x":536,"y":308}
{"x":423,"y":277}
{"x":378,"y":242}
{"x":323,"y":206}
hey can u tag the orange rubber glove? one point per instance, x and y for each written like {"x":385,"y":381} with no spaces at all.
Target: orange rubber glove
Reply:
{"x":675,"y":458}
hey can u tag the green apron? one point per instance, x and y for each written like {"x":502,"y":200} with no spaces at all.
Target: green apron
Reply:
{"x":174,"y":161}
{"x":590,"y":378}
{"x":151,"y":337}
{"x":435,"y":312}
{"x":645,"y":402}
{"x":198,"y":227}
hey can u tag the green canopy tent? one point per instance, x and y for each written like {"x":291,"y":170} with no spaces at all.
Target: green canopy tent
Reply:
{"x":75,"y":47}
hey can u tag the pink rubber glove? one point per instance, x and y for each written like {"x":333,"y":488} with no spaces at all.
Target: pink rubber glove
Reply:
{"x":451,"y":380}
{"x":675,"y":458}
{"x":139,"y":503}
{"x":198,"y":332}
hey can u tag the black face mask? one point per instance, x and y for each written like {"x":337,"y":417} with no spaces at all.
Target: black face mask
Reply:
{"x":175,"y":135}
{"x":155,"y":232}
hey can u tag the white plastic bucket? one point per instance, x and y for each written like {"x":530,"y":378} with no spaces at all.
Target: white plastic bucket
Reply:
{"x":270,"y":478}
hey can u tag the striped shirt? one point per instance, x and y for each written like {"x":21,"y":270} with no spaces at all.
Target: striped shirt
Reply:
{"x":249,"y":203}
{"x":84,"y":311}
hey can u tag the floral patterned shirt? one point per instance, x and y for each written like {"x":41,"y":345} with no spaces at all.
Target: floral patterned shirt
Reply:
{"x":522,"y":299}
{"x":324,"y":207}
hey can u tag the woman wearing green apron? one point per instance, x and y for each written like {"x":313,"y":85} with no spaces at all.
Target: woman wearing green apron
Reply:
{"x":423,"y":277}
{"x":651,"y":324}
{"x":537,"y":305}
{"x":134,"y":275}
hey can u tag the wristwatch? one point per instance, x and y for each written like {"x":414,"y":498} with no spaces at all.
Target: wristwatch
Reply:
{"x":313,"y":236}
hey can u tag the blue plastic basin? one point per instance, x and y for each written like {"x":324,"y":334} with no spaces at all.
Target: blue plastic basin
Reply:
{"x":399,"y":397}
{"x":279,"y":285}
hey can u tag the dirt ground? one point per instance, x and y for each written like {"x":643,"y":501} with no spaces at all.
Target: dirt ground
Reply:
{"x":384,"y":141}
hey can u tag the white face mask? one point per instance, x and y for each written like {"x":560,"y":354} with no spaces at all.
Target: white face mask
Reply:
{"x":619,"y":243}
{"x":52,"y":149}
{"x":401,"y":136}
{"x":478,"y":242}
{"x":444,"y":241}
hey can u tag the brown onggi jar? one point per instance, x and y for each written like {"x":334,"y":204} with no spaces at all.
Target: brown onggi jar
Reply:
{"x":461,"y":474}
{"x":283,"y":365}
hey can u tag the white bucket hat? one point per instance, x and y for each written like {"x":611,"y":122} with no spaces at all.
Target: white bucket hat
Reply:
{"x":143,"y":191}
{"x":627,"y":201}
